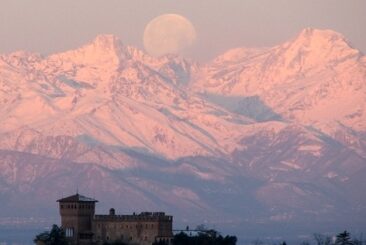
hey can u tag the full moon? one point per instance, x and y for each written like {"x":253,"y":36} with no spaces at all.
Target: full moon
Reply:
{"x":168,"y":34}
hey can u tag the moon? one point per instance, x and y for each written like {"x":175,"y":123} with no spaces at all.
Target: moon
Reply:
{"x":168,"y":34}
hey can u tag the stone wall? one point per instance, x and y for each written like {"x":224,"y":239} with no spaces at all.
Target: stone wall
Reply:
{"x":144,"y":228}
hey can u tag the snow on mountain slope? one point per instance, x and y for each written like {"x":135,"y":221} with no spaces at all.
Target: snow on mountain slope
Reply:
{"x":316,"y":79}
{"x":257,"y":136}
{"x":118,"y":96}
{"x":28,"y":177}
{"x":304,"y":174}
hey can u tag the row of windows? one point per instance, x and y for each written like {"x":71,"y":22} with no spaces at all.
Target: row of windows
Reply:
{"x":147,"y":226}
{"x":69,"y":232}
{"x":74,"y":206}
{"x":122,"y":238}
{"x":164,"y":240}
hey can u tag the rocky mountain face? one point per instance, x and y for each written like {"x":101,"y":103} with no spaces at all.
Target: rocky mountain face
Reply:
{"x":262,"y":138}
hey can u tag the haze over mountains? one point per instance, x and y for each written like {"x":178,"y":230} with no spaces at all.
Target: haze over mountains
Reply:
{"x":254,"y":138}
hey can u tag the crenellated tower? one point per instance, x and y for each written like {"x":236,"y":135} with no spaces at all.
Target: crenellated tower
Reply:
{"x":77,"y":213}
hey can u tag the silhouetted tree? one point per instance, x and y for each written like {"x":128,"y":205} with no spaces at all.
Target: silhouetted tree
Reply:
{"x":181,"y":239}
{"x":54,"y":237}
{"x":206,"y":237}
{"x":229,"y":240}
{"x":321,"y":239}
{"x":344,"y":238}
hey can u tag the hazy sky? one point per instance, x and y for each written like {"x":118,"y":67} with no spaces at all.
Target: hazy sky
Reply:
{"x":47,"y":26}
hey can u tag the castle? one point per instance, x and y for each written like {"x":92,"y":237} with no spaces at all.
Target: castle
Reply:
{"x":83,"y":226}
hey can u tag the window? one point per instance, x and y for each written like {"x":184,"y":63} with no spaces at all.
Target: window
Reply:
{"x":69,"y":232}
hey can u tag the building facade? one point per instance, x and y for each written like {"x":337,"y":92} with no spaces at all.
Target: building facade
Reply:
{"x":83,"y":226}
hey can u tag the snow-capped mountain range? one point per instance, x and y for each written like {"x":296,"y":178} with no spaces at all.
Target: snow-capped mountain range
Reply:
{"x":266,"y":136}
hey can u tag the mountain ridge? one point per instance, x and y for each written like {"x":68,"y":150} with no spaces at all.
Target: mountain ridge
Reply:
{"x":268,"y":135}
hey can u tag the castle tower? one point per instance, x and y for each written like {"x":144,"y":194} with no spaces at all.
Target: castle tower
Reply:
{"x":77,"y":213}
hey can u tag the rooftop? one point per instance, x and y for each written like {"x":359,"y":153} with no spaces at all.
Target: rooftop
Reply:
{"x":77,"y":198}
{"x":145,"y":216}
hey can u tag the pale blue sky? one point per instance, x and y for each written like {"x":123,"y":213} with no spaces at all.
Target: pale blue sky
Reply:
{"x":47,"y":26}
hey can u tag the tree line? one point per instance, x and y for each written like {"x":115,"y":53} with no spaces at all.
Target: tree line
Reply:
{"x":56,"y":236}
{"x":343,"y":238}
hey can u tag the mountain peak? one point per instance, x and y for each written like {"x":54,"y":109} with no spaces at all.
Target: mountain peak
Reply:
{"x":319,"y":39}
{"x":316,"y":48}
{"x":320,"y":33}
{"x":107,"y":41}
{"x":104,"y":50}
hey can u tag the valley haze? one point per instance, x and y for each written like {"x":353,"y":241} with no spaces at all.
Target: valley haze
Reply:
{"x":258,"y":142}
